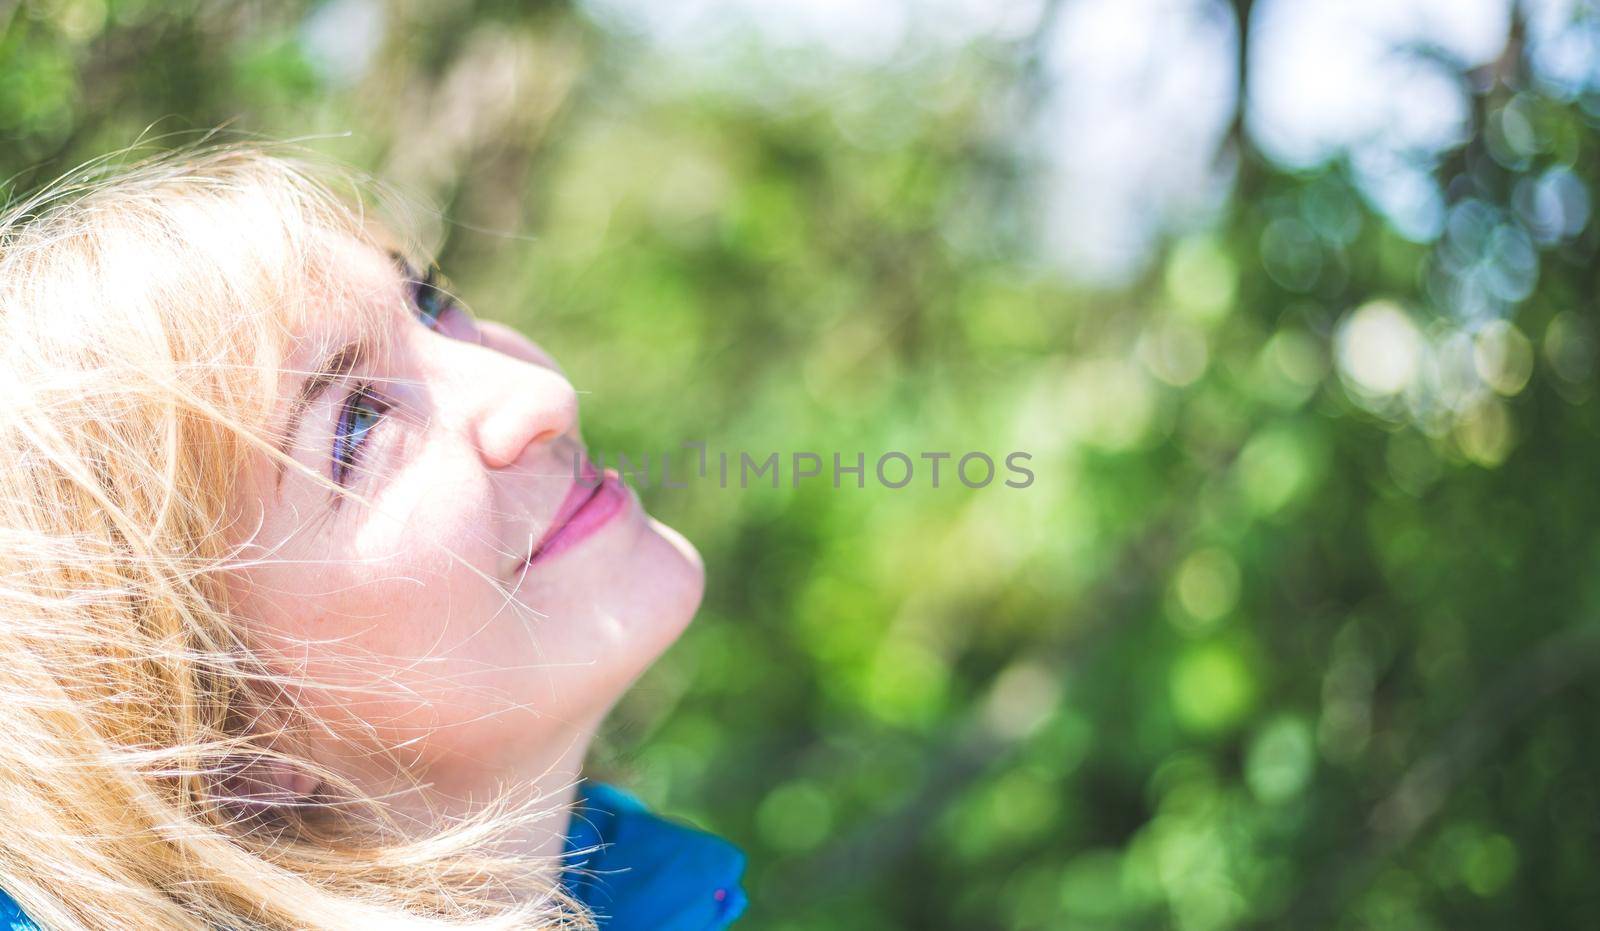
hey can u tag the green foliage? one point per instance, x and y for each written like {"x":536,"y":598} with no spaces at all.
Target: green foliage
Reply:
{"x":1295,"y":627}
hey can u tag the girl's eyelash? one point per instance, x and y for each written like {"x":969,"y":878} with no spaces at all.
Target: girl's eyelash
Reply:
{"x":358,"y":414}
{"x":430,"y":297}
{"x":362,"y":409}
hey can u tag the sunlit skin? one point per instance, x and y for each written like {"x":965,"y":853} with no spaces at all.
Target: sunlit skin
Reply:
{"x":485,"y":671}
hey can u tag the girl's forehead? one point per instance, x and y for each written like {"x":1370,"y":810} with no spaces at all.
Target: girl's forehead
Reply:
{"x":356,"y":298}
{"x":352,"y":282}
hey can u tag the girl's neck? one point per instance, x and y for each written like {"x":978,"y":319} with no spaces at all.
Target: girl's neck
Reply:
{"x":425,"y":799}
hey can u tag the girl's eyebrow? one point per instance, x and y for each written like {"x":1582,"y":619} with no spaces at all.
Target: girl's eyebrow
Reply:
{"x":403,"y":265}
{"x":341,"y":361}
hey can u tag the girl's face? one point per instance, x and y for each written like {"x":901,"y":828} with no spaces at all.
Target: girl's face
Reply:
{"x":418,"y":621}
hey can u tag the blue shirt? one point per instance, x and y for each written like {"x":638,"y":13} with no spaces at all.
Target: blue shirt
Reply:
{"x":649,"y":874}
{"x":646,"y":873}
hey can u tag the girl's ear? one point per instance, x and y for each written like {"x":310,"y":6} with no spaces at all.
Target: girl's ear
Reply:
{"x":263,"y":784}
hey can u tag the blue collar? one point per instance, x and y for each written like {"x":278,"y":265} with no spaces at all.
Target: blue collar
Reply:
{"x":648,"y":873}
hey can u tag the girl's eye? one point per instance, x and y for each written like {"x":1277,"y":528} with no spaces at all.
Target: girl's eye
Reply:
{"x":430,"y":297}
{"x":357,"y":416}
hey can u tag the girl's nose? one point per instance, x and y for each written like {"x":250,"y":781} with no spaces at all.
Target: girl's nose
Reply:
{"x":510,"y":404}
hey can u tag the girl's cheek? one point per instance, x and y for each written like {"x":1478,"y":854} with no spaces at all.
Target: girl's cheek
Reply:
{"x":431,"y":506}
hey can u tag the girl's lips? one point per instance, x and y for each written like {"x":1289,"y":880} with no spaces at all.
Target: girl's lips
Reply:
{"x":589,"y":505}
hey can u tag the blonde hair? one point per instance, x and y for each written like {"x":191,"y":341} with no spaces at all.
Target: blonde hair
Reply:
{"x":145,"y":314}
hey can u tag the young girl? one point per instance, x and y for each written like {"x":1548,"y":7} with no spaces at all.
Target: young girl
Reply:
{"x":312,"y":602}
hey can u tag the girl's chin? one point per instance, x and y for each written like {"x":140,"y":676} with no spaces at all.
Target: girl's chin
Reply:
{"x":682,"y":545}
{"x":678,"y":568}
{"x":645,"y":580}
